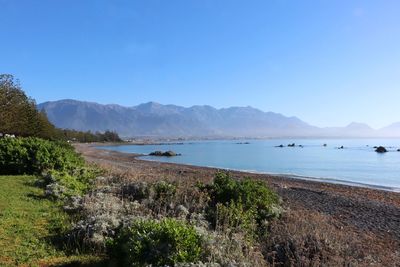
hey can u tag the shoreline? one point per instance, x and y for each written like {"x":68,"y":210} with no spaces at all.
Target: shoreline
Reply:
{"x":333,"y":181}
{"x":356,"y":209}
{"x":329,"y":180}
{"x":288,"y":177}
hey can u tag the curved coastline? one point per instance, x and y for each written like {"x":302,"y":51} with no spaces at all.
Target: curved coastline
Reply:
{"x":283,"y":175}
{"x":329,"y":180}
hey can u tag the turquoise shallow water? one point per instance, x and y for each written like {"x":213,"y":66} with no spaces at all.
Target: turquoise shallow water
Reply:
{"x":356,"y":164}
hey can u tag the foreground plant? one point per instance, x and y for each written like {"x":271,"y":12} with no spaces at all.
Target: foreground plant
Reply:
{"x":34,"y":155}
{"x":157,"y":243}
{"x":251,"y":196}
{"x":164,"y":223}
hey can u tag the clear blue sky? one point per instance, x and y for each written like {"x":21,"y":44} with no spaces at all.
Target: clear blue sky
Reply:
{"x":327,"y":62}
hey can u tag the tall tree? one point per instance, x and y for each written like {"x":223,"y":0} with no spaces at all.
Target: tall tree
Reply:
{"x":18,"y":113}
{"x":19,"y":116}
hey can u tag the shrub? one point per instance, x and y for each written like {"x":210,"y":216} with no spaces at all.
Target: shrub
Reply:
{"x":233,"y":218}
{"x":157,"y":243}
{"x":34,"y":155}
{"x":252,"y":194}
{"x":164,"y":190}
{"x":63,"y":170}
{"x":75,"y":182}
{"x":135,"y":191}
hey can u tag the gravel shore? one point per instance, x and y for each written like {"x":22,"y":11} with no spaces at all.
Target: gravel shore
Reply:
{"x":361,"y":211}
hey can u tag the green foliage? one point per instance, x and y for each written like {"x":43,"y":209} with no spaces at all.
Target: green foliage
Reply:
{"x":57,"y":159}
{"x":18,"y":114}
{"x":75,"y":182}
{"x":164,"y":190}
{"x":233,"y":217}
{"x":88,"y":137}
{"x":28,"y":222}
{"x":252,"y":194}
{"x":33,"y":156}
{"x":159,"y":243}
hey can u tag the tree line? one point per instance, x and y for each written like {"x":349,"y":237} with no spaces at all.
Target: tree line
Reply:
{"x":88,"y":137}
{"x":19,"y":116}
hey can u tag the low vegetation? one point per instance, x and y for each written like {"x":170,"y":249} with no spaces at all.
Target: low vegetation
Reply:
{"x":161,"y":222}
{"x":63,"y":172}
{"x":34,"y":155}
{"x":252,"y":195}
{"x":158,"y":243}
{"x":139,"y":223}
{"x":29,"y":225}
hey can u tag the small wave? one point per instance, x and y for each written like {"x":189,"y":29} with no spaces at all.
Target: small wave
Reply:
{"x":290,"y":176}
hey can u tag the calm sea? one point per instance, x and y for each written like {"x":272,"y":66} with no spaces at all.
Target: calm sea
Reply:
{"x":356,"y":164}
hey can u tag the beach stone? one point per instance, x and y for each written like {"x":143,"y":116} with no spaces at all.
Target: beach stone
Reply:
{"x":381,"y":149}
{"x":164,"y":154}
{"x":156,"y":153}
{"x":170,"y":154}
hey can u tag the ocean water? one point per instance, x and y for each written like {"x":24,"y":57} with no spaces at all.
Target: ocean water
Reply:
{"x":356,"y":164}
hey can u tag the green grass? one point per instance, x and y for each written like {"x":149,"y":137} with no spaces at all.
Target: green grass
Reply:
{"x":28,"y":223}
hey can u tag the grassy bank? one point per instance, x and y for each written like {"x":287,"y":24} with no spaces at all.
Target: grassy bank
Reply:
{"x":28,"y":224}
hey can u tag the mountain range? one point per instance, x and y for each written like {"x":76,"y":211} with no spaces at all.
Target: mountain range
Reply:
{"x":157,"y":120}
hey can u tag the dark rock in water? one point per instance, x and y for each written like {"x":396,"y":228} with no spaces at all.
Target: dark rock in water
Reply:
{"x":324,"y":144}
{"x":301,"y":146}
{"x":291,"y":145}
{"x":375,"y":147}
{"x":164,"y":154}
{"x":280,"y":146}
{"x":243,"y":143}
{"x":156,"y":153}
{"x":398,"y":150}
{"x":341,"y":147}
{"x":381,"y":149}
{"x":170,"y":153}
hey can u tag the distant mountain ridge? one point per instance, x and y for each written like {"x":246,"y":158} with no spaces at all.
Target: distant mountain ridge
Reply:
{"x":154,"y":119}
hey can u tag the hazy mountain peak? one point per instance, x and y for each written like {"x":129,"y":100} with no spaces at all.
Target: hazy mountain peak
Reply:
{"x":358,"y":125}
{"x":155,"y":119}
{"x":393,"y":125}
{"x":151,"y":104}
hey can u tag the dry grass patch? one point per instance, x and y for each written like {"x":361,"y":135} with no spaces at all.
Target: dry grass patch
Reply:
{"x":306,"y":238}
